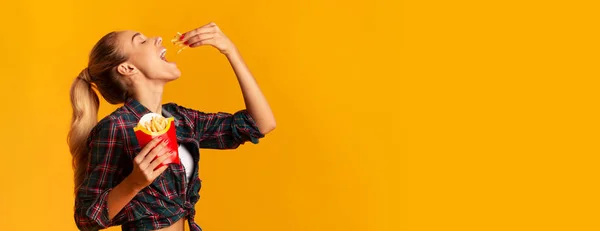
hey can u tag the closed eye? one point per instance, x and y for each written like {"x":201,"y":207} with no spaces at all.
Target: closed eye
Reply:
{"x":136,"y":35}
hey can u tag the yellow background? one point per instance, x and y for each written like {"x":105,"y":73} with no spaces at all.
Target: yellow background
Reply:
{"x":392,"y":115}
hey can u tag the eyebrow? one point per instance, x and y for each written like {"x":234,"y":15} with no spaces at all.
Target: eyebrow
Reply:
{"x":136,"y":34}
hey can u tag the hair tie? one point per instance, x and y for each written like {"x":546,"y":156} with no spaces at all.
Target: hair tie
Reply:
{"x":85,"y":80}
{"x":88,"y":74}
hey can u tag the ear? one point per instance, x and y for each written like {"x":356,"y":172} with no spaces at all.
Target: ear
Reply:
{"x":127,"y":69}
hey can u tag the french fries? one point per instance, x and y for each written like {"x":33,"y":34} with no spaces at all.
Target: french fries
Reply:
{"x":176,"y":41}
{"x":156,"y":124}
{"x":152,"y":126}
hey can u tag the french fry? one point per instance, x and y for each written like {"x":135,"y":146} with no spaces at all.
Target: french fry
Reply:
{"x":163,"y":124}
{"x":153,"y":125}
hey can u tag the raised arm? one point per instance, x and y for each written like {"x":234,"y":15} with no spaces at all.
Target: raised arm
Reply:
{"x":255,"y":101}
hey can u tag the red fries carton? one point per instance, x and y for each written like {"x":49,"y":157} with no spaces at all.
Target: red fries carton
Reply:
{"x":153,"y":125}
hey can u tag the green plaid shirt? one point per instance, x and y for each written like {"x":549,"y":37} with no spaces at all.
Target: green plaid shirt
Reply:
{"x":113,"y":145}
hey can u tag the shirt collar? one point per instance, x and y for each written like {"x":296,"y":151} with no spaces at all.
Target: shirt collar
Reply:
{"x":136,"y":107}
{"x":140,"y":110}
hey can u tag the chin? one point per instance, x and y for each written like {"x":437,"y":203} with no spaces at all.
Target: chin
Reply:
{"x":172,"y":72}
{"x":177,"y":74}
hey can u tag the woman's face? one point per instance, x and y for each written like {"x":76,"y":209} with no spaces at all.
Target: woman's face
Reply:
{"x":147,"y":55}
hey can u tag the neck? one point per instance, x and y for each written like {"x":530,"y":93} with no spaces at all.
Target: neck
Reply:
{"x":151,"y":98}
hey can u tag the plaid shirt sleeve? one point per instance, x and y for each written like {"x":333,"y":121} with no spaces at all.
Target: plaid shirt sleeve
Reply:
{"x":223,"y":130}
{"x":91,"y":211}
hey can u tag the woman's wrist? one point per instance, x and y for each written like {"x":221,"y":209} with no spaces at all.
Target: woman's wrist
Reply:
{"x":232,"y":53}
{"x":129,"y":185}
{"x":120,"y":196}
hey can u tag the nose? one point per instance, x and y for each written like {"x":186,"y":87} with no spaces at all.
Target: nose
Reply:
{"x":158,"y":41}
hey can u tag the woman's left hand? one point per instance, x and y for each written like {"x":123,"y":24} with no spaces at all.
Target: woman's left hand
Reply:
{"x":209,"y":34}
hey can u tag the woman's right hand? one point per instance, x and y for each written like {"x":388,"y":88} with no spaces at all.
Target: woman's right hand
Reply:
{"x":144,"y":164}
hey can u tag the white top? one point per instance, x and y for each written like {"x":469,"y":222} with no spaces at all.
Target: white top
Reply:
{"x":187,"y":161}
{"x":184,"y":155}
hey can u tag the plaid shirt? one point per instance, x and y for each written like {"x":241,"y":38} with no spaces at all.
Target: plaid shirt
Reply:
{"x":113,"y":145}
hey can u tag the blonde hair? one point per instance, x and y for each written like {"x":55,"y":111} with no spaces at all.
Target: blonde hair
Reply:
{"x":100,"y":75}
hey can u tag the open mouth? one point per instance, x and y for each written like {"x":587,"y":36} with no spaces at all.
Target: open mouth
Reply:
{"x":163,"y":53}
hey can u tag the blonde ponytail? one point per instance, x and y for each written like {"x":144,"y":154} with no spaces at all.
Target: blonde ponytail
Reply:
{"x":100,"y":75}
{"x":85,"y":104}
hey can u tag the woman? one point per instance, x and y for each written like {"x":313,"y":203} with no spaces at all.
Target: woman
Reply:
{"x":116,"y":182}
